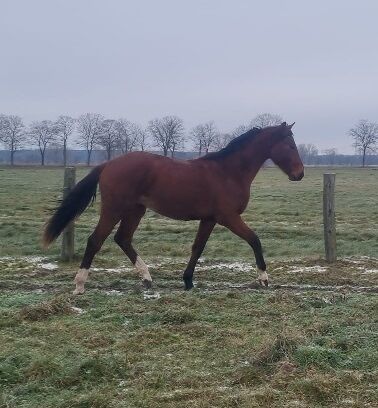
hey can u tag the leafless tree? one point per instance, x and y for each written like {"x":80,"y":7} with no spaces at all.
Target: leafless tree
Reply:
{"x":128,"y":134}
{"x":108,"y":137}
{"x":43,"y":133}
{"x":239,"y":131}
{"x":167,"y":133}
{"x":266,"y":119}
{"x":222,"y":140}
{"x":204,"y":137}
{"x":89,"y":129}
{"x":307,"y":152}
{"x":197,"y":135}
{"x":142,"y":142}
{"x":65,"y":126}
{"x":365,"y":135}
{"x":330,"y":154}
{"x":12,"y":134}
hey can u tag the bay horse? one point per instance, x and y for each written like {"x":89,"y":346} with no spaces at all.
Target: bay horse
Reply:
{"x":214,"y":188}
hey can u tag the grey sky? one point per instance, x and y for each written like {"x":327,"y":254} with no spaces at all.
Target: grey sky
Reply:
{"x":315,"y":63}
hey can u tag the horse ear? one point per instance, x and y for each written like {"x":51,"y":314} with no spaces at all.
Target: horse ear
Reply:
{"x":283,"y":124}
{"x":290,"y":126}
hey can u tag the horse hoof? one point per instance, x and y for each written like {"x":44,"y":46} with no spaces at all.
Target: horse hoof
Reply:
{"x":147,"y":283}
{"x":264,"y":283}
{"x":78,"y":291}
{"x":263,"y":278}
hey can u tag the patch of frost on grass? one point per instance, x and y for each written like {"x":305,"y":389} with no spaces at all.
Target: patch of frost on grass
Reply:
{"x":77,"y":310}
{"x":121,"y":269}
{"x":304,"y":269}
{"x":232,"y":266}
{"x":113,"y":292}
{"x":149,"y":296}
{"x":49,"y":266}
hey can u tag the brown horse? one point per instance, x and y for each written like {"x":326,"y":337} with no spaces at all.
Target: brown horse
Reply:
{"x":212,"y":189}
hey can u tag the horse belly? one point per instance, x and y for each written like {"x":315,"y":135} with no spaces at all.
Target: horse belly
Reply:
{"x":178,"y":207}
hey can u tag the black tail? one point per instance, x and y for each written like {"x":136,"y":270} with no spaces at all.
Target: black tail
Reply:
{"x":73,"y":205}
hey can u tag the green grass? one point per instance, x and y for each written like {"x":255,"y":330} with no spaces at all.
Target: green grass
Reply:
{"x":286,"y":215}
{"x":226,"y":343}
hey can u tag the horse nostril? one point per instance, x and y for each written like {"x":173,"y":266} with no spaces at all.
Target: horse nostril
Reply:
{"x":297,"y":177}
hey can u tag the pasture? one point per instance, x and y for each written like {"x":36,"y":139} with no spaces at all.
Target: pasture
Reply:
{"x":309,"y":340}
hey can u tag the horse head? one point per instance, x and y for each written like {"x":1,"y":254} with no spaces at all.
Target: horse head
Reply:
{"x":284,"y":152}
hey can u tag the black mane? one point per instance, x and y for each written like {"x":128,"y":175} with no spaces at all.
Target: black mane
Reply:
{"x":234,"y":145}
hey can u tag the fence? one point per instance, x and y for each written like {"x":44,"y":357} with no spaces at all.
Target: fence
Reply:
{"x":68,"y":243}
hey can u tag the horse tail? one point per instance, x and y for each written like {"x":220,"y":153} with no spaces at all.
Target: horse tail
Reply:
{"x":72,"y":206}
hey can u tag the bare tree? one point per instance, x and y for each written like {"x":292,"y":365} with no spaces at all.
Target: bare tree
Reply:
{"x":43,"y":133}
{"x":365,"y":135}
{"x":307,"y":152}
{"x":204,"y":137}
{"x":65,"y":126}
{"x":197,"y":135}
{"x":89,"y":129}
{"x":266,"y":119}
{"x":222,"y":140}
{"x":210,"y":136}
{"x":167,"y":133}
{"x":240,"y":130}
{"x":108,"y":137}
{"x":12,"y":134}
{"x":330,"y":154}
{"x":142,"y":142}
{"x":127,"y":135}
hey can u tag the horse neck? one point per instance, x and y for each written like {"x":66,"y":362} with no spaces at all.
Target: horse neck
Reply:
{"x":245,"y":163}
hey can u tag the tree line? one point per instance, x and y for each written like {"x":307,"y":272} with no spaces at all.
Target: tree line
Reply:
{"x":91,"y":131}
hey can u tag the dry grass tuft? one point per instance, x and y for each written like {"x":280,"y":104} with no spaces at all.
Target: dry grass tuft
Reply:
{"x":57,"y":306}
{"x":283,"y":346}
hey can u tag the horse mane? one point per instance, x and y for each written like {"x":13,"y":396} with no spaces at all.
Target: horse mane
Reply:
{"x":234,"y":145}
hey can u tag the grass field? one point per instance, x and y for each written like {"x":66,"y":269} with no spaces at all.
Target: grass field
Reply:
{"x":310,"y":340}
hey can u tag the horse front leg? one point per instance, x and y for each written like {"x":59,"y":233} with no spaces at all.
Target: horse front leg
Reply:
{"x":236,"y":225}
{"x":204,"y":230}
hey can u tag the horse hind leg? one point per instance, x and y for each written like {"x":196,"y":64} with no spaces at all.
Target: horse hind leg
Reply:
{"x":104,"y":227}
{"x":123,"y":238}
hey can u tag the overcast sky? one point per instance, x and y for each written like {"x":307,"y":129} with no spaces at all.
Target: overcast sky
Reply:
{"x":315,"y":63}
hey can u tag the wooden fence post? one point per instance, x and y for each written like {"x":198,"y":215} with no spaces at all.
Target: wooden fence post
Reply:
{"x":329,"y":216}
{"x":68,"y":242}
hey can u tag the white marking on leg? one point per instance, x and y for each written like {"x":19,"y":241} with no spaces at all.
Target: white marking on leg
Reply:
{"x":263,"y":278}
{"x":142,"y":269}
{"x":80,"y":279}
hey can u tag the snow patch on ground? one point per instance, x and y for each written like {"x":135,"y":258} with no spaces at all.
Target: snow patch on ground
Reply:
{"x":49,"y":266}
{"x":304,"y":269}
{"x":370,"y":271}
{"x":77,"y":310}
{"x":149,"y":296}
{"x":27,"y":259}
{"x":233,"y":266}
{"x":113,"y":292}
{"x":121,"y":269}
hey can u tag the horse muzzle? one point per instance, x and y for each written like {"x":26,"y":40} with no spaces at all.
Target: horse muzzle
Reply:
{"x":297,"y":177}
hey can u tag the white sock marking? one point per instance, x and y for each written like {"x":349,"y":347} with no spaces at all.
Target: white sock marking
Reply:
{"x":142,"y":269}
{"x":263,"y":276}
{"x":80,"y":279}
